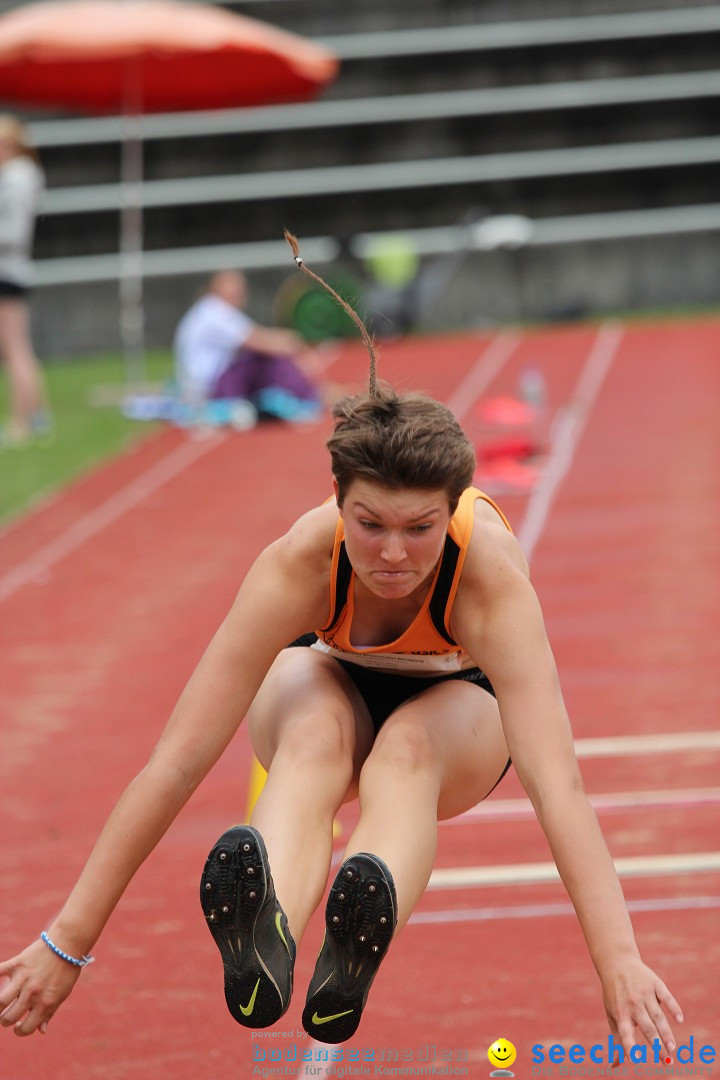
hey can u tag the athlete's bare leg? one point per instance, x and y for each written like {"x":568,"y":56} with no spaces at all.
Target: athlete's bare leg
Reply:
{"x":311,"y":731}
{"x":435,"y":757}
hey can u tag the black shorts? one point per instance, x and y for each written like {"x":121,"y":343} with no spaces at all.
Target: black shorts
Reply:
{"x":9,"y":289}
{"x":384,"y":691}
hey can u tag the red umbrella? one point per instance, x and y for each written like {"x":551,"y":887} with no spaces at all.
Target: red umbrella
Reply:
{"x":154,"y":55}
{"x":137,"y":56}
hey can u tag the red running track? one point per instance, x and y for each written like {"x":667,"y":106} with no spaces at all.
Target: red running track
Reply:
{"x":109,"y":594}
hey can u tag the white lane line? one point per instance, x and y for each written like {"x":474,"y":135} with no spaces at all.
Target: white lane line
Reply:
{"x":482,"y":373}
{"x":545,"y":911}
{"x":522,"y":809}
{"x":90,"y":524}
{"x":567,"y":431}
{"x":630,"y":745}
{"x":466,"y":877}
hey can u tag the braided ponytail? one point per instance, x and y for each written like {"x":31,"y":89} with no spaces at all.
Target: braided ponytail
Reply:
{"x":369,"y":344}
{"x":395,"y":440}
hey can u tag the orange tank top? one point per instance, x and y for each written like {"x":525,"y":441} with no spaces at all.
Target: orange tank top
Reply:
{"x":427,"y":646}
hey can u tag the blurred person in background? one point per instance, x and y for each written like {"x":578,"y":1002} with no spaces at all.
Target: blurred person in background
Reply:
{"x":21,"y":185}
{"x":221,"y":353}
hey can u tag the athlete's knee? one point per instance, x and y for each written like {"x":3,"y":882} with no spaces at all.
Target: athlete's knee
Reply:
{"x":405,"y":748}
{"x":319,"y":738}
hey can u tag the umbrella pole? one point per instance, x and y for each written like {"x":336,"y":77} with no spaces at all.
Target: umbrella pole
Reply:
{"x":132,"y":313}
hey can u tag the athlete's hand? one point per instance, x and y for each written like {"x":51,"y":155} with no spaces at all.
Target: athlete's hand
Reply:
{"x":33,"y":985}
{"x":638,"y":1004}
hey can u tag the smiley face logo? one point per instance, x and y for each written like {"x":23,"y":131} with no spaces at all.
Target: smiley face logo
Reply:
{"x":502,"y":1054}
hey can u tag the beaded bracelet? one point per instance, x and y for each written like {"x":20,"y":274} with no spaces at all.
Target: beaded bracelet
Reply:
{"x":64,"y":956}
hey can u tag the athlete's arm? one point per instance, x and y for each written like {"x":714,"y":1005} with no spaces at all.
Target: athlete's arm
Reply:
{"x":284,"y":595}
{"x":498,"y":620}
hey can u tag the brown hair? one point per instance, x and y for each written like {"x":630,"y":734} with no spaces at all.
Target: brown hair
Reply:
{"x":396,"y":440}
{"x":400,"y":441}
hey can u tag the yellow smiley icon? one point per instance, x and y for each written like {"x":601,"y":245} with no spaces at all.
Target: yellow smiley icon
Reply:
{"x":502,"y":1053}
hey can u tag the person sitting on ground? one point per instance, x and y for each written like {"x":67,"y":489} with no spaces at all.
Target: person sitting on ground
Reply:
{"x":220,"y":352}
{"x":389,"y":647}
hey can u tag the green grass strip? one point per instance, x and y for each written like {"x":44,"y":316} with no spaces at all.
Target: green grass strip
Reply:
{"x":85,"y":434}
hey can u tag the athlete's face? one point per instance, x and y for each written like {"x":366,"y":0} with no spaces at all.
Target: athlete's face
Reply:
{"x":394,"y":538}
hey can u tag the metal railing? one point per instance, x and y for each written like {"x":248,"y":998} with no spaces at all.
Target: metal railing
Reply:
{"x":273,"y":254}
{"x":525,"y":33}
{"x":395,"y":108}
{"x":392,"y":176}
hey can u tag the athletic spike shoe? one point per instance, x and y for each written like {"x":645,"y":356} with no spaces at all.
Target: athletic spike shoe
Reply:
{"x":249,"y":927}
{"x":360,"y":919}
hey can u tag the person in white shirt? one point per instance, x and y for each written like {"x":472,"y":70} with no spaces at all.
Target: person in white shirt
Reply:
{"x":221,"y":353}
{"x":21,"y":185}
